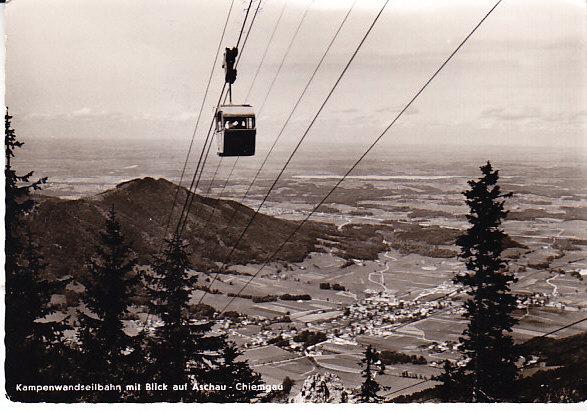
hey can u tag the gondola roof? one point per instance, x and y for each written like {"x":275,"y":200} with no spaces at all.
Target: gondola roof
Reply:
{"x":237,"y":110}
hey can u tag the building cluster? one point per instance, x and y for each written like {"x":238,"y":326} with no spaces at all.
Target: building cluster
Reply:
{"x":529,"y":300}
{"x":378,"y":314}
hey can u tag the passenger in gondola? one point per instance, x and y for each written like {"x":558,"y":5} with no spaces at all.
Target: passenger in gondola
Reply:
{"x":235,"y":124}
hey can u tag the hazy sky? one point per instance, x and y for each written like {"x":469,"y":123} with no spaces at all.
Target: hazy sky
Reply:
{"x":90,"y":69}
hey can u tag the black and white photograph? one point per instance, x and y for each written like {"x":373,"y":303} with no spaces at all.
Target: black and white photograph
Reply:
{"x":295,"y":202}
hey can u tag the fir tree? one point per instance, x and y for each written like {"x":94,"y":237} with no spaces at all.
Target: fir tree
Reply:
{"x":18,"y":199}
{"x":452,"y":384}
{"x":287,"y":385}
{"x":229,"y":371}
{"x":179,"y":350}
{"x":109,"y":290}
{"x":27,"y":341}
{"x":491,"y":370}
{"x":372,"y":366}
{"x":44,"y":356}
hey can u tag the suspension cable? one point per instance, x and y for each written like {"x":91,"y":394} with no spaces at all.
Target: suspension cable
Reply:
{"x":301,"y":96}
{"x":210,"y":185}
{"x":198,"y":119}
{"x":406,"y":107}
{"x":197,"y":122}
{"x":288,"y":48}
{"x":522,"y":367}
{"x":331,"y":92}
{"x":219,"y":197}
{"x":249,"y":31}
{"x":191,"y":190}
{"x":269,"y":42}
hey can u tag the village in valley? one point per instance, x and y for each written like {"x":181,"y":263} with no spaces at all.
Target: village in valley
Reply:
{"x":317,"y":315}
{"x":388,"y":203}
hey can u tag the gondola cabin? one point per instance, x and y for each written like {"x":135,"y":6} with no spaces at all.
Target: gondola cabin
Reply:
{"x":235,"y":130}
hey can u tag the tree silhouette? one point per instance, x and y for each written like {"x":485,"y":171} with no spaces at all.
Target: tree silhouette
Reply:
{"x":179,"y":350}
{"x":17,"y":195}
{"x":27,"y":340}
{"x":491,"y":369}
{"x":372,"y":366}
{"x":109,"y":290}
{"x":229,"y":371}
{"x":452,"y":387}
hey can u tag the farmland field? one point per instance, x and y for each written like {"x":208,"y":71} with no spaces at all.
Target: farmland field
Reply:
{"x":405,"y":211}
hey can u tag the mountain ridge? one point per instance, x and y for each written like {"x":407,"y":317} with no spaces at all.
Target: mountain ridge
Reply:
{"x":68,"y":229}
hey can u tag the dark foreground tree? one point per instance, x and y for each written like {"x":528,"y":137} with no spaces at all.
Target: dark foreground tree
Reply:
{"x":18,"y":199}
{"x":451,"y":383}
{"x":372,"y":366}
{"x":242,"y":383}
{"x":28,"y":341}
{"x":179,"y":350}
{"x":110,"y":287}
{"x":490,"y":372}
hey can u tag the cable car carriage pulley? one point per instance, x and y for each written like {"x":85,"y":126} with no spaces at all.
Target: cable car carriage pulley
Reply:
{"x":235,"y":124}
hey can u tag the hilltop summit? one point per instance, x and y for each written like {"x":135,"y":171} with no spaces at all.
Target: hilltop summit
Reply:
{"x":68,"y":229}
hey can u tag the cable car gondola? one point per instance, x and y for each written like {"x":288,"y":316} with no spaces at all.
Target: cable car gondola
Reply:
{"x":235,"y":130}
{"x":235,"y":124}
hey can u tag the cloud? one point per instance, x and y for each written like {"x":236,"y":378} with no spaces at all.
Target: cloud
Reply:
{"x":81,"y":112}
{"x":503,"y":114}
{"x":535,"y":116}
{"x":86,"y":113}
